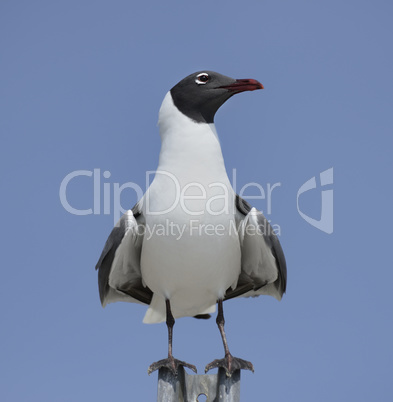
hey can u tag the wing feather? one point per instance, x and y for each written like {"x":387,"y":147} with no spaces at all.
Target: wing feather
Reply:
{"x":119,"y":272}
{"x":263,"y":269}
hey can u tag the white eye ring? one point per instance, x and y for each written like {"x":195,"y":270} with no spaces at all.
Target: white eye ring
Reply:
{"x":202,"y":78}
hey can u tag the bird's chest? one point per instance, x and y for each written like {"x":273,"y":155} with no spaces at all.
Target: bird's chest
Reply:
{"x":191,"y":238}
{"x":189,"y":216}
{"x":176,"y":197}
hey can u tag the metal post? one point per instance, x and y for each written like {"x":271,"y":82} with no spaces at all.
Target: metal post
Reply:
{"x":186,"y":388}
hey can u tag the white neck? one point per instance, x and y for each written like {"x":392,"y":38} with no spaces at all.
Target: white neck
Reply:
{"x":188,"y":148}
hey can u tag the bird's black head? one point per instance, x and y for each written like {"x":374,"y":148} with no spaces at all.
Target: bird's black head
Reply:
{"x":200,"y":95}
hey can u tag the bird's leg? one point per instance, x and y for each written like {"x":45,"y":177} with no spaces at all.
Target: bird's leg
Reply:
{"x":170,"y":363}
{"x":229,"y":363}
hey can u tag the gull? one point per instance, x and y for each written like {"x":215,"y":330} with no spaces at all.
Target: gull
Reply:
{"x":191,"y":242}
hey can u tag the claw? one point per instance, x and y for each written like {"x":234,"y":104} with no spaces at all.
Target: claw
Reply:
{"x":171,"y":364}
{"x":230,"y":364}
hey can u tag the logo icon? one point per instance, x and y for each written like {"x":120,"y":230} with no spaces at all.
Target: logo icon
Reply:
{"x":325,"y":223}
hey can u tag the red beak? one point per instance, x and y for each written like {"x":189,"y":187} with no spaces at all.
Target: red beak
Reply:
{"x":244,"y":85}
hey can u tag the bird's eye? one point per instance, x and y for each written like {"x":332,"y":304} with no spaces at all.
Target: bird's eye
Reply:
{"x":202,"y":78}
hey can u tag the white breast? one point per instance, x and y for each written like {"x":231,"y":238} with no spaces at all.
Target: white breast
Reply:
{"x":191,"y":251}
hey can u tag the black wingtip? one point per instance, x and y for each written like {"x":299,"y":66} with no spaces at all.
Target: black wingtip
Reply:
{"x":202,"y":316}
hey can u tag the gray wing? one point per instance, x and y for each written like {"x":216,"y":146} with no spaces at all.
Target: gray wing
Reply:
{"x":263,"y":266}
{"x":119,"y":272}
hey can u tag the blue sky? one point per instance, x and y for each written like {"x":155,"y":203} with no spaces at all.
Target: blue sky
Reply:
{"x":81,"y":85}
